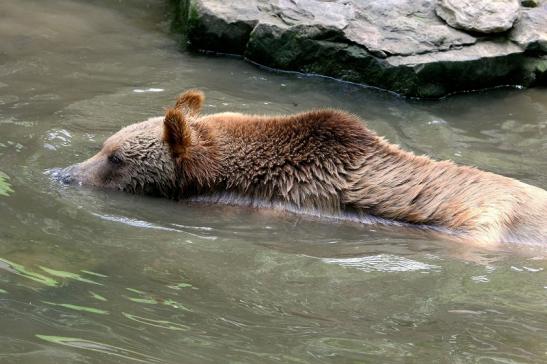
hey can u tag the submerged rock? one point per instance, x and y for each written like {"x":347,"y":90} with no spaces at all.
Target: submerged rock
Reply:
{"x":399,"y":45}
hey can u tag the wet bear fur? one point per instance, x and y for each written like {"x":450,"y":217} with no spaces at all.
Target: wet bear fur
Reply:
{"x":325,"y":162}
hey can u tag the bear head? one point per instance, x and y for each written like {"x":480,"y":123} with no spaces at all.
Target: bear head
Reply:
{"x":142,"y":158}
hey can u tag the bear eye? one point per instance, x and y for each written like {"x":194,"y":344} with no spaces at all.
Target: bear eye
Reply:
{"x":114,"y":159}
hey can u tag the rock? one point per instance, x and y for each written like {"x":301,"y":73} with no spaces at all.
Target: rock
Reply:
{"x":399,"y":45}
{"x":482,"y":16}
{"x":537,"y":70}
{"x":222,"y":26}
{"x":424,"y":75}
{"x":465,"y":69}
{"x":530,"y":31}
{"x":311,"y":12}
{"x":395,"y":27}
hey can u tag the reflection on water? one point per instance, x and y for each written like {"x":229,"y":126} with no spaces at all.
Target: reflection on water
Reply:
{"x":90,"y":276}
{"x":100,"y":347}
{"x":382,"y":263}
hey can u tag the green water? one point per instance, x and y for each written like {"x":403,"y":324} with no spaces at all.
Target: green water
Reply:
{"x":95,"y":277}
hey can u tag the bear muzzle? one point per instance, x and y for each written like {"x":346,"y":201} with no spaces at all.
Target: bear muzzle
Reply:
{"x":68,"y":176}
{"x":87,"y":173}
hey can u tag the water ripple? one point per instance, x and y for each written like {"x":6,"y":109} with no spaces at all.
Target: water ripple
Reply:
{"x":100,"y":347}
{"x":382,"y":263}
{"x":134,"y":222}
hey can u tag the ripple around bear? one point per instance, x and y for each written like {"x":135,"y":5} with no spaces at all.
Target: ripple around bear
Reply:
{"x":324,"y":162}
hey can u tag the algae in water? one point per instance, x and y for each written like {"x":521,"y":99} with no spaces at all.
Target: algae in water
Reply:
{"x":5,"y":186}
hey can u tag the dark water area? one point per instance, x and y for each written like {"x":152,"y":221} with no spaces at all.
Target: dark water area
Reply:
{"x":90,"y":276}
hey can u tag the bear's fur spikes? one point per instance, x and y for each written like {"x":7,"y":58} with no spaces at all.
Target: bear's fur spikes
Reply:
{"x":324,"y":162}
{"x":190,"y":102}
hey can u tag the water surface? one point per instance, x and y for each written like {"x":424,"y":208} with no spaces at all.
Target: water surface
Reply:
{"x":92,"y":277}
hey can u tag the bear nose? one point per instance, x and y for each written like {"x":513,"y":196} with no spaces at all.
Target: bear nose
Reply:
{"x":66,"y":179}
{"x":63,"y":175}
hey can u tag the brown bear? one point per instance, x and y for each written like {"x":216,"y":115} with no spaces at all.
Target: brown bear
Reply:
{"x":324,"y":162}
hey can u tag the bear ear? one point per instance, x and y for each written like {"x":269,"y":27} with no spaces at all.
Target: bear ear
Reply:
{"x":176,"y":132}
{"x":189,"y":102}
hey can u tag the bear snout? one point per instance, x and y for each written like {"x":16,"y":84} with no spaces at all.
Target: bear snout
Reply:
{"x":66,"y":179}
{"x":63,"y":175}
{"x":96,"y":171}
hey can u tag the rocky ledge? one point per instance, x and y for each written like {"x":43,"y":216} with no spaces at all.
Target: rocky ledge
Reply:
{"x":417,"y":48}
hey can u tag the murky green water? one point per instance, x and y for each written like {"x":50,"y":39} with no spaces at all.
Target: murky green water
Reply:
{"x":94,"y":277}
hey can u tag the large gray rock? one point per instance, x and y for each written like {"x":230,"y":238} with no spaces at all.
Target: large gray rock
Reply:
{"x":483,"y":16}
{"x":399,"y":45}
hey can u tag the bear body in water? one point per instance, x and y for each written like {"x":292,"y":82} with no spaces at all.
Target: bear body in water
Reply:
{"x":325,"y":162}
